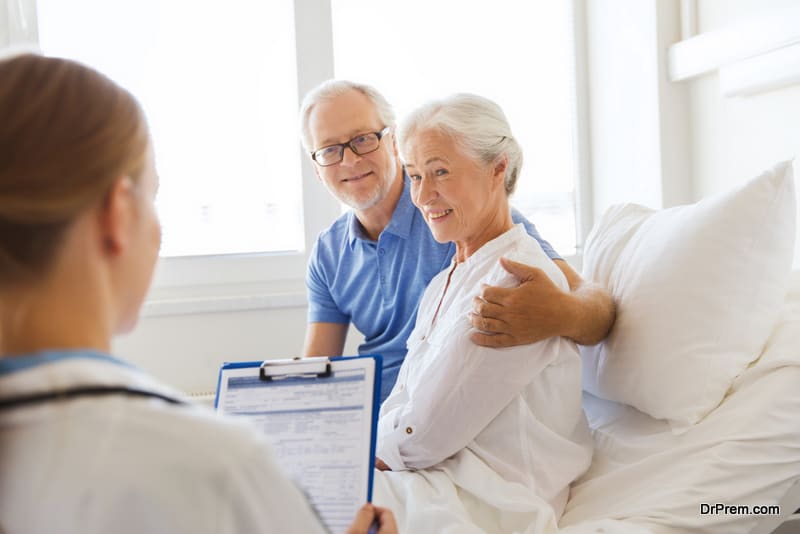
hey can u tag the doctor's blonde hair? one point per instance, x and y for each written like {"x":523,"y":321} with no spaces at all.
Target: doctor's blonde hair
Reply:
{"x":67,"y":133}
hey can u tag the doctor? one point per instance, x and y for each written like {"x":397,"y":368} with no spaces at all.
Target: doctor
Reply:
{"x":88,"y":443}
{"x":372,"y":265}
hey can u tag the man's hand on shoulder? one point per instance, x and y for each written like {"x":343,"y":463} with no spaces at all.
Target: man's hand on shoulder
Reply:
{"x":520,"y":315}
{"x":538,"y":309}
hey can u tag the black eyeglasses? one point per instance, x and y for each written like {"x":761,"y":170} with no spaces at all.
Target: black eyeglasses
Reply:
{"x":360,"y":144}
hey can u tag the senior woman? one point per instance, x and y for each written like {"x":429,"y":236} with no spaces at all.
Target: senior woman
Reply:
{"x":87,"y":442}
{"x":474,"y":438}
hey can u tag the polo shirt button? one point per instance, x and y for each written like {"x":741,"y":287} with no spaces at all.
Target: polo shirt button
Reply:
{"x":409,"y":430}
{"x":382,"y":251}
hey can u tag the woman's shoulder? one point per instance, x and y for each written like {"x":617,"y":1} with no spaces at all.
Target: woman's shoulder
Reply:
{"x":526,"y":250}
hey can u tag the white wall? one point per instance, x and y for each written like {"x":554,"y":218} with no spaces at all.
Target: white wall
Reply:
{"x":663,"y":143}
{"x":5,"y":33}
{"x":718,"y":14}
{"x":18,"y":24}
{"x":736,"y":138}
{"x":639,"y":130}
{"x":186,"y":349}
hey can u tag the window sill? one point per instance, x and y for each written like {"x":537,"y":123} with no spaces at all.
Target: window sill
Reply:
{"x":224,"y":298}
{"x":273,"y":295}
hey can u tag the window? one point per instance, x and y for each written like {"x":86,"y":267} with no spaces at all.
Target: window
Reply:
{"x":221,"y":81}
{"x":218,"y":83}
{"x":519,"y":54}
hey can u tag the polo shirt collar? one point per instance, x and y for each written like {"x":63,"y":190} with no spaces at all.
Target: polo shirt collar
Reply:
{"x":399,"y":225}
{"x":355,"y":230}
{"x":403,"y":215}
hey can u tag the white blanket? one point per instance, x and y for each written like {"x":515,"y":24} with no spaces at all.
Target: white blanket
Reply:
{"x":461,"y":495}
{"x":643,"y":478}
{"x":746,"y":452}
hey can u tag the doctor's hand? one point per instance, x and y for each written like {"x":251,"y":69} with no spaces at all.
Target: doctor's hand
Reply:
{"x":369,"y":515}
{"x":537,"y":309}
{"x":380,"y":465}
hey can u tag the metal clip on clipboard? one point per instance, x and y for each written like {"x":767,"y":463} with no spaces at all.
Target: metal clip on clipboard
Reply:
{"x":316,"y":367}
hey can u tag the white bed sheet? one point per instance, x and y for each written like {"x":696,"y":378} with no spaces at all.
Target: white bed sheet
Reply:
{"x":644,"y":478}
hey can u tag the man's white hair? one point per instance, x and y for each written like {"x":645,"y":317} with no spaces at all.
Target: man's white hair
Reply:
{"x":478,"y":126}
{"x":331,"y":89}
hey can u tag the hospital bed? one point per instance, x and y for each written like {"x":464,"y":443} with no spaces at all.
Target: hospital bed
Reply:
{"x":694,"y":399}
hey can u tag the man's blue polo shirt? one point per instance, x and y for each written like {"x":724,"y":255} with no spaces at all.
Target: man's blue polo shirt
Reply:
{"x":377,"y":285}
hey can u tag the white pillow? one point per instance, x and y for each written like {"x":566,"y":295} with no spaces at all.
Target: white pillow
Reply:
{"x":698,"y":289}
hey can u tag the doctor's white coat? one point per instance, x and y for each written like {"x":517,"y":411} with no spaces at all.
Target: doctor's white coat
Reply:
{"x":119,"y":464}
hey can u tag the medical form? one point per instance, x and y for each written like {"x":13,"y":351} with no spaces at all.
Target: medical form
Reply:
{"x":321,"y":424}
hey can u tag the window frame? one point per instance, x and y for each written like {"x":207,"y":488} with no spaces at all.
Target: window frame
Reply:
{"x":261,"y":280}
{"x":201,"y":284}
{"x":584,"y":194}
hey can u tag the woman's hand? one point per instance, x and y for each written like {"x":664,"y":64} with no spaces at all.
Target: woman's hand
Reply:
{"x":380,"y":465}
{"x":369,"y":515}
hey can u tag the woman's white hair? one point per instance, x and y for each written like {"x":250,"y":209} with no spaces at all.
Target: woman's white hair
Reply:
{"x":477,"y":125}
{"x":331,"y":89}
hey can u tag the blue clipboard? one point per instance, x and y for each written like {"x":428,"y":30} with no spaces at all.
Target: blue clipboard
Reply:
{"x":321,"y":415}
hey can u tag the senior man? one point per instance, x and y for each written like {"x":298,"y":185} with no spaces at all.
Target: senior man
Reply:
{"x":371,"y":266}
